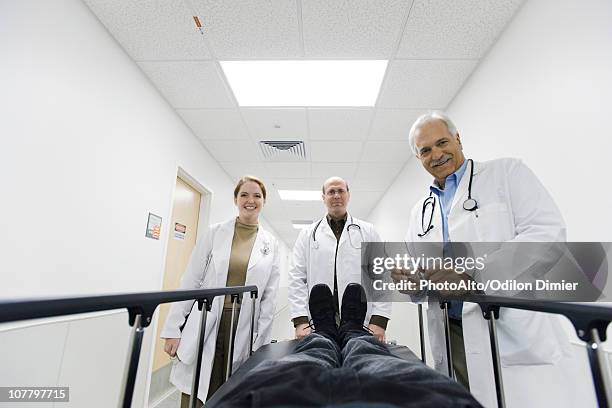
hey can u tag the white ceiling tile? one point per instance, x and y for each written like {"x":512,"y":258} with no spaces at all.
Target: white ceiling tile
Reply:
{"x":370,"y":184}
{"x":362,"y":202}
{"x":295,"y":184}
{"x":393,"y":124}
{"x":274,"y":209}
{"x":252,"y":29}
{"x":381,"y":170}
{"x":276,"y":124}
{"x":288,"y":170}
{"x":352,"y":29}
{"x":322,"y":171}
{"x":189,"y":84}
{"x":335,"y":151}
{"x":454,"y":29}
{"x":423,"y":84}
{"x":152,"y":30}
{"x":368,"y":147}
{"x":339,"y":124}
{"x":215,"y":124}
{"x":238,"y":169}
{"x":386,"y":152}
{"x":366,"y":198}
{"x":274,"y":212}
{"x":297,"y":210}
{"x":232,"y":151}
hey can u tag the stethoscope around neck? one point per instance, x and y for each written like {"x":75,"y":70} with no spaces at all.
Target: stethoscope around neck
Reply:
{"x":468,"y":205}
{"x":315,"y":243}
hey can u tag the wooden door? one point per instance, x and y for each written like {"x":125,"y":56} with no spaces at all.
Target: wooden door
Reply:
{"x":183,"y":231}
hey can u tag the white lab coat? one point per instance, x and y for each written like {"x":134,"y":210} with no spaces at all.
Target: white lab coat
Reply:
{"x":262,"y":271}
{"x":312,"y":265}
{"x":513,"y":206}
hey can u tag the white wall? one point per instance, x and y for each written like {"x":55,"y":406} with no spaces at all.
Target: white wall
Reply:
{"x":88,"y":147}
{"x":542,"y":94}
{"x":86,"y":354}
{"x":390,"y":217}
{"x":391,"y":214}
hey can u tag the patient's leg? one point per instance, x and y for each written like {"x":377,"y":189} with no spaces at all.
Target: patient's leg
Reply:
{"x":386,"y":377}
{"x":304,"y":377}
{"x":315,"y":349}
{"x":363,"y":353}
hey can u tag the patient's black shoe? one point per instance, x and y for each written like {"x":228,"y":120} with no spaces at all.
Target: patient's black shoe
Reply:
{"x":353,"y":312}
{"x":321,"y":305}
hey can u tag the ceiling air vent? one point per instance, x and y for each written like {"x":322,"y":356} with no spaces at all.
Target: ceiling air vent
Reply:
{"x":283,"y":150}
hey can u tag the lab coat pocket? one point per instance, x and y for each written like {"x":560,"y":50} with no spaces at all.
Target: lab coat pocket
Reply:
{"x":493,"y":222}
{"x":525,"y":338}
{"x":187,"y":350}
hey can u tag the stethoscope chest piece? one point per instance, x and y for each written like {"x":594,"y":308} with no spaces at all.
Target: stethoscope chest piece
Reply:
{"x":470,"y":204}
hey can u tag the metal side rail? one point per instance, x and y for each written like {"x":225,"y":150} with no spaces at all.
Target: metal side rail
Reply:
{"x":140,"y":307}
{"x":589,"y":321}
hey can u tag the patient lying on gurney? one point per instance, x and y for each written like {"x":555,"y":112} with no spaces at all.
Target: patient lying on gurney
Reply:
{"x":344,"y":366}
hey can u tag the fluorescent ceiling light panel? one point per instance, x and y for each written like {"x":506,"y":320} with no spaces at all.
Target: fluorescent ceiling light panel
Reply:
{"x":300,"y":195}
{"x":300,"y":226}
{"x":305,"y":82}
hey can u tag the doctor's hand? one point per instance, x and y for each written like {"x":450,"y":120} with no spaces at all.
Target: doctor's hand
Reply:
{"x":377,"y":332}
{"x":171,"y":346}
{"x":302,"y":330}
{"x":448,"y":275}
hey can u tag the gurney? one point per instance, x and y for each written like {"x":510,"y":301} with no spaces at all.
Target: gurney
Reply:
{"x":589,"y":321}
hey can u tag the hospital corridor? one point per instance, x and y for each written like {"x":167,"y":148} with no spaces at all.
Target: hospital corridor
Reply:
{"x":305,"y":203}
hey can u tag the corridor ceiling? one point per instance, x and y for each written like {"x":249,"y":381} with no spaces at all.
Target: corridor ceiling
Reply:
{"x":432,"y":47}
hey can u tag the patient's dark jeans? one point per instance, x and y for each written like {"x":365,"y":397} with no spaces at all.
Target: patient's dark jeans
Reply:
{"x":363,"y":371}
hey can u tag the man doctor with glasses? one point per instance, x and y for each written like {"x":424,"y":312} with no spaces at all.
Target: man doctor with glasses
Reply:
{"x":329,"y":252}
{"x":495,"y":201}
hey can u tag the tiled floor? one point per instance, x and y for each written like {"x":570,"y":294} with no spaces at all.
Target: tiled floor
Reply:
{"x":173,"y":400}
{"x":162,"y":394}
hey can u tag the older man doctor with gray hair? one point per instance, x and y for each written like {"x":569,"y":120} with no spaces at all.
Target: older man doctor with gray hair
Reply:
{"x":495,"y":201}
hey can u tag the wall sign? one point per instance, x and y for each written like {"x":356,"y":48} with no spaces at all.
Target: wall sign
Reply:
{"x":179,"y":231}
{"x":153,"y":226}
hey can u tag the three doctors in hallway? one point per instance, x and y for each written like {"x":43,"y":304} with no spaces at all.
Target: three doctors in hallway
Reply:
{"x":232,"y":253}
{"x":329,"y":252}
{"x":494,"y":201}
